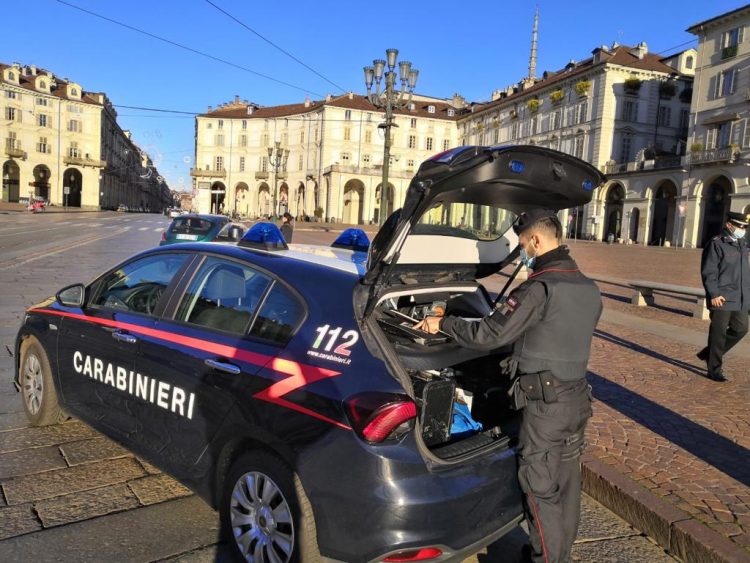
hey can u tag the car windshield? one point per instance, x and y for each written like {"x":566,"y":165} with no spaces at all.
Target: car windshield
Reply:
{"x":465,"y":220}
{"x":191,"y":225}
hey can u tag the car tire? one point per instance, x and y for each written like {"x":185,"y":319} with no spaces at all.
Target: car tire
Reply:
{"x":38,"y":393}
{"x":244,"y":513}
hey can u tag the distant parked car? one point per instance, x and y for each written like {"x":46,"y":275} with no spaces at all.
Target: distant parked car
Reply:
{"x":201,"y":228}
{"x":122,"y":208}
{"x":175,"y":212}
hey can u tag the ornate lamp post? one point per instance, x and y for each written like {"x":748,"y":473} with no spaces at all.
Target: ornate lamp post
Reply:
{"x":277,"y":158}
{"x":389,"y":98}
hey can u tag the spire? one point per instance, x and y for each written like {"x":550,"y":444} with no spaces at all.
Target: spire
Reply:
{"x":532,"y":59}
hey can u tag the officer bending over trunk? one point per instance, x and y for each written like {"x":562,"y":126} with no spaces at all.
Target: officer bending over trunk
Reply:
{"x":550,"y":320}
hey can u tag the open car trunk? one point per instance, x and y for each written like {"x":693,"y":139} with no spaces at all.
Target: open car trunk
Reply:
{"x":454,"y":228}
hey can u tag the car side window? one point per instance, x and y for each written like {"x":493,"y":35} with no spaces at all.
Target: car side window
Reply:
{"x":138,"y":285}
{"x":280,"y":316}
{"x":223,"y":295}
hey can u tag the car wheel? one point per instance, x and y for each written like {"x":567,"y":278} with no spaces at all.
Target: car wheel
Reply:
{"x":38,"y":393}
{"x":265,"y":512}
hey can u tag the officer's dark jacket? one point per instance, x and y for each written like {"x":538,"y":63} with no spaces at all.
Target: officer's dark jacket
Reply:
{"x":725,"y":269}
{"x":287,"y":231}
{"x":550,"y":319}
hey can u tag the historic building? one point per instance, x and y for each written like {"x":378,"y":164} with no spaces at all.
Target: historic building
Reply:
{"x":317,"y":159}
{"x":64,"y":144}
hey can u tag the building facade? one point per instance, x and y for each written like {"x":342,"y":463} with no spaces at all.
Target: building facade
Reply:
{"x":325,"y":156}
{"x":64,"y":144}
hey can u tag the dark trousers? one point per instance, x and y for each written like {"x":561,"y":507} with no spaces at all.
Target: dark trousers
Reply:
{"x":727,"y":329}
{"x":551,"y":441}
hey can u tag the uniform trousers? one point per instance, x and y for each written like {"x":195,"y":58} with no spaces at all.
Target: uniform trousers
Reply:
{"x":727,"y":329}
{"x":551,"y":441}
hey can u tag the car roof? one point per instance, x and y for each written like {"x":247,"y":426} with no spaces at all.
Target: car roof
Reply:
{"x":201,"y":216}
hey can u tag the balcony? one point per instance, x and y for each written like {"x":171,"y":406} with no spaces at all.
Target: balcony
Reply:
{"x":726,"y":154}
{"x":87,"y":161}
{"x":198,"y":173}
{"x":261,"y":175}
{"x":15,"y":152}
{"x":729,"y":52}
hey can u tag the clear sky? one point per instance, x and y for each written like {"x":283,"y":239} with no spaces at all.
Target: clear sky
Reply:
{"x":471,"y":52}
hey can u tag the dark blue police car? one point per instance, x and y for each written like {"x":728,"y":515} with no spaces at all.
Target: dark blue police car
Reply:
{"x":286,"y":385}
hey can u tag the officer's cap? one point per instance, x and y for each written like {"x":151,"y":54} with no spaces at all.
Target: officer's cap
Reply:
{"x":527,"y":219}
{"x":737,"y":219}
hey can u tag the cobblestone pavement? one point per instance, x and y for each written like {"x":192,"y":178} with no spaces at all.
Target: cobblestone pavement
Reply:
{"x":70,"y":494}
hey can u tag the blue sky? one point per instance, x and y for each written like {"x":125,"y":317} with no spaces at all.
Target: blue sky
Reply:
{"x":471,"y":53}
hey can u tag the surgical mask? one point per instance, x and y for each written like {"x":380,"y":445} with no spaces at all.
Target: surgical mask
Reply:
{"x":738,"y":233}
{"x":527,"y":260}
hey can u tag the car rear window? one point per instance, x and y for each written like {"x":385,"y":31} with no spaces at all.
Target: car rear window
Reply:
{"x":279,"y":317}
{"x":465,"y":220}
{"x":191,"y":225}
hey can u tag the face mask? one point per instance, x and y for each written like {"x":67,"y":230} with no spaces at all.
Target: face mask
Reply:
{"x":527,"y":260}
{"x":738,"y":233}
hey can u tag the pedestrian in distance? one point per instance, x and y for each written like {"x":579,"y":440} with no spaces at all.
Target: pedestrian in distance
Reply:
{"x":287,"y":229}
{"x":725,"y":269}
{"x":549,"y":319}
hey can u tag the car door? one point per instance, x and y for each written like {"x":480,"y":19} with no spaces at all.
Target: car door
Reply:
{"x":99,"y":343}
{"x":203,"y":359}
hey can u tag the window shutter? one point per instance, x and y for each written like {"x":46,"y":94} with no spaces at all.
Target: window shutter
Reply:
{"x":711,"y":138}
{"x":740,"y":34}
{"x":717,"y":86}
{"x":732,"y":75}
{"x":724,"y":39}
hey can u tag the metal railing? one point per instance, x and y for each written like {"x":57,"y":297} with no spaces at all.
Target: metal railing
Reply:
{"x":725,"y":154}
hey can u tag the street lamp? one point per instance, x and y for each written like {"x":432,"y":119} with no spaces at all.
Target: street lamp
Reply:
{"x":277,"y":158}
{"x":389,"y":98}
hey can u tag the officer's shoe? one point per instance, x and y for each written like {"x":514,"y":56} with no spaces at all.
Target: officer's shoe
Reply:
{"x":716,"y":376}
{"x":703,"y":354}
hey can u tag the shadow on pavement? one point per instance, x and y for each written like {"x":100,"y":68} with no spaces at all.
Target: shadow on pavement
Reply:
{"x":611,"y":338}
{"x":711,"y":447}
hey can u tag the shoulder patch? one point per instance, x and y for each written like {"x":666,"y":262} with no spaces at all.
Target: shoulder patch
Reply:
{"x":508,"y":307}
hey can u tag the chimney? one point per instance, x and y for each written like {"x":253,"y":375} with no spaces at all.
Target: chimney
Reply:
{"x":351,"y":95}
{"x":236,"y":99}
{"x":307,"y":101}
{"x":210,"y":109}
{"x":329,"y":97}
{"x":571,"y":65}
{"x":639,"y":50}
{"x":496,"y":95}
{"x":601,"y":54}
{"x":458,"y":101}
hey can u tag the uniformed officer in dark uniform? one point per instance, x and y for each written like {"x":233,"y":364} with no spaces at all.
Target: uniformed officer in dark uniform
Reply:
{"x":550,"y":320}
{"x":725,"y":269}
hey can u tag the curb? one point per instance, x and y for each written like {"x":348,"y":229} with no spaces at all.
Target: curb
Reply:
{"x":676,"y":531}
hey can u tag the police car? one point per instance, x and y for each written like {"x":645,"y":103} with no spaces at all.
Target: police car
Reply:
{"x":285,"y":384}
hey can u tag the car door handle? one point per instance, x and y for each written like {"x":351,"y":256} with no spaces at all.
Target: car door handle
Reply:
{"x":223,"y":366}
{"x":123,"y":337}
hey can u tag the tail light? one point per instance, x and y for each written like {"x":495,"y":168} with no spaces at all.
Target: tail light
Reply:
{"x":379,"y":416}
{"x":424,"y":554}
{"x":164,"y":235}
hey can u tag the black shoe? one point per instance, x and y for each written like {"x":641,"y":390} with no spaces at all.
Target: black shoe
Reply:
{"x":703,"y":354}
{"x":716,"y":376}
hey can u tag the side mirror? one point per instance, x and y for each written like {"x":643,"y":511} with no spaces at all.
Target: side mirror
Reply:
{"x":72,"y":296}
{"x":235,"y":233}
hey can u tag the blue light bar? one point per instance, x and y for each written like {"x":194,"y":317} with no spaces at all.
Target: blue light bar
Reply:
{"x":587,"y":185}
{"x":516,"y":166}
{"x":263,"y":236}
{"x":353,"y":239}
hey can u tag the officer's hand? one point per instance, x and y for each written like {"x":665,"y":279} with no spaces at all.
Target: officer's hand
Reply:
{"x":429,"y":324}
{"x":718,"y":301}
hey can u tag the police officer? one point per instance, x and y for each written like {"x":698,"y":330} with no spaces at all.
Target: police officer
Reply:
{"x":726,"y":277}
{"x":550,"y":320}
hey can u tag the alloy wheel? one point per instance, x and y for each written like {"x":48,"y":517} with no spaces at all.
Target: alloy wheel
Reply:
{"x":33,"y":385}
{"x":261,"y":520}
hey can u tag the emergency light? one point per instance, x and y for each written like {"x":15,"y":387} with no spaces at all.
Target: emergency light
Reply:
{"x":263,"y":236}
{"x":353,"y":239}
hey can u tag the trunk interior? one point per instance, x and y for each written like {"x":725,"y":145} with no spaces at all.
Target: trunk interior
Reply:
{"x":450,"y":382}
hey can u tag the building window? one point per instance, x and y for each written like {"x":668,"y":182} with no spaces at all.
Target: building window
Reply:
{"x":412,"y":141}
{"x":74,"y":92}
{"x":264,"y":164}
{"x":11,"y":113}
{"x":11,"y":141}
{"x":264,"y":140}
{"x":345,"y":157}
{"x":629,"y":111}
{"x":410,"y":163}
{"x":451,"y":112}
{"x":285,"y":139}
{"x":11,"y":76}
{"x":347,"y":133}
{"x":413,"y":123}
{"x":446,"y":144}
{"x":242,"y":164}
{"x":42,"y":146}
{"x":496,"y":138}
{"x":219,"y":140}
{"x":300,"y":162}
{"x":554,"y":143}
{"x":689,"y":62}
{"x":243,"y":140}
{"x":11,"y":94}
{"x":556,"y":119}
{"x":534,"y":124}
{"x":578,"y":147}
{"x":209,"y":125}
{"x":244,"y":124}
{"x":42,"y":102}
{"x":316,"y":135}
{"x":368,"y":136}
{"x":514,"y":131}
{"x":428,"y":144}
{"x":366,"y":159}
{"x":581,"y":111}
{"x":42,"y":120}
{"x":219,"y":163}
{"x":724,"y":83}
{"x":74,"y":126}
{"x":221,"y":124}
{"x":746,"y":136}
{"x":625,"y":148}
{"x":730,"y":40}
{"x":719,"y":135}
{"x":430,"y":109}
{"x":302,"y":137}
{"x":348,"y":115}
{"x":684,"y":119}
{"x":665,"y":116}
